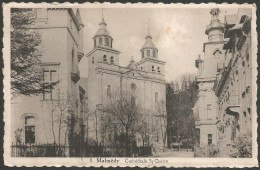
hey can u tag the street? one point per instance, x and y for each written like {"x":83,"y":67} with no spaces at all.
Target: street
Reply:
{"x":176,"y":154}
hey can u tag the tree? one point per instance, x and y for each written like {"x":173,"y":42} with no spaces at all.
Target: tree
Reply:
{"x":26,"y":70}
{"x":179,"y":104}
{"x":62,"y":116}
{"x":126,"y":112}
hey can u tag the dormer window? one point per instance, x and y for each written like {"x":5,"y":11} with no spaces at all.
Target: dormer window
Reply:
{"x":105,"y":58}
{"x":112,"y":60}
{"x":153,"y":68}
{"x":148,"y":53}
{"x":106,"y":42}
{"x":100,"y":41}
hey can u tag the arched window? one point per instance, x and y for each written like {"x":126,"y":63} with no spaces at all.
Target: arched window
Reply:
{"x":156,"y":97}
{"x":112,"y":60}
{"x":100,"y":41}
{"x":108,"y":91}
{"x":158,"y":69}
{"x":153,"y":68}
{"x":133,"y":86}
{"x":142,"y":54}
{"x":106,"y":42}
{"x":29,"y":123}
{"x":132,"y":101}
{"x":105,"y":58}
{"x":148,"y":53}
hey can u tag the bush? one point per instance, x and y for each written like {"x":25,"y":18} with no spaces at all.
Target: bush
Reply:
{"x":206,"y":151}
{"x":242,"y":147}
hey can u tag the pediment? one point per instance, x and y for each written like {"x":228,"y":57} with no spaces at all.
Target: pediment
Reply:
{"x":134,"y":73}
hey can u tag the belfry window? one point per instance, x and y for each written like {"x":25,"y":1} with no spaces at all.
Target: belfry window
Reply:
{"x":148,"y":53}
{"x":153,"y":68}
{"x":108,"y":91}
{"x":100,"y":41}
{"x":158,"y":69}
{"x":133,"y":86}
{"x":29,"y":129}
{"x":112,"y":60}
{"x":105,"y":58}
{"x":106,"y":42}
{"x":142,"y":54}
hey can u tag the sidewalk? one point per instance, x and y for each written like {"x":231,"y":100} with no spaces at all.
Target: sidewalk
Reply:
{"x":175,"y":154}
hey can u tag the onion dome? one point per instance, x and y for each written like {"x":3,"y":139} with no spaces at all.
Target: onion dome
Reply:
{"x":149,"y":43}
{"x":102,"y":31}
{"x":131,"y":64}
{"x":102,"y":36}
{"x":149,"y":49}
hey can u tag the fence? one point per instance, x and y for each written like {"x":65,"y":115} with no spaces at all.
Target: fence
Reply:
{"x":39,"y":150}
{"x":51,"y":150}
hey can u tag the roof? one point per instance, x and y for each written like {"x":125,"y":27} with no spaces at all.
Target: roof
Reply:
{"x":83,"y":82}
{"x":75,"y":19}
{"x":132,"y":64}
{"x":79,"y":17}
{"x":149,"y":43}
{"x":102,"y":30}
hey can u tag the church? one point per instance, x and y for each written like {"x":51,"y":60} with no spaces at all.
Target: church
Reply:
{"x":144,"y":79}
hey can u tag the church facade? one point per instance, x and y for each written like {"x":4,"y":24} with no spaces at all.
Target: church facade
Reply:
{"x":143,"y":80}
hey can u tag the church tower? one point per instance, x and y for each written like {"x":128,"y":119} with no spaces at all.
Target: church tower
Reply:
{"x":103,"y":47}
{"x":102,"y":56}
{"x":149,"y":61}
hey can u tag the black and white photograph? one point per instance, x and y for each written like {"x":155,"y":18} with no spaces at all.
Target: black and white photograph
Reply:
{"x":112,"y":83}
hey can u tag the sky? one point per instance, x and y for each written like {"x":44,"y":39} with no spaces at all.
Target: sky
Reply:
{"x":178,"y":33}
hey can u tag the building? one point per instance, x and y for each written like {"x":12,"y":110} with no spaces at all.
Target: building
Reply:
{"x":143,"y":79}
{"x":35,"y":118}
{"x":205,"y":109}
{"x":234,"y":79}
{"x":223,"y":108}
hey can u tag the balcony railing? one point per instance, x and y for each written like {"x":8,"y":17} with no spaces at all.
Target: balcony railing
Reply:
{"x":75,"y":74}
